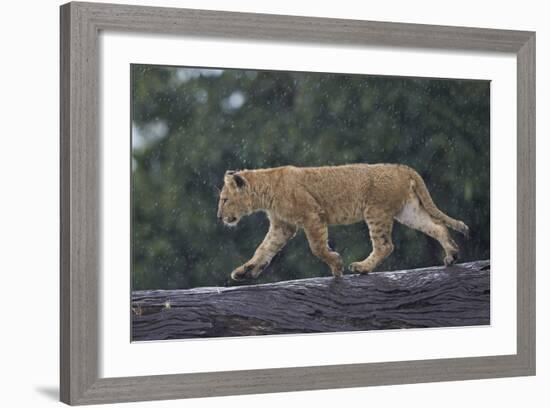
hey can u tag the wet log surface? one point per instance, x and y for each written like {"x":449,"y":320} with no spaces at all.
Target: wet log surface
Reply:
{"x":428,"y":297}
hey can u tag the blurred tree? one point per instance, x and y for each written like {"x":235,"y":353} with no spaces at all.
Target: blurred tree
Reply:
{"x":190,"y":125}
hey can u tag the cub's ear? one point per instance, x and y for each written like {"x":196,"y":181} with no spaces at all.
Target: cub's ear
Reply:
{"x":239,"y":181}
{"x":232,"y":178}
{"x":228,"y":177}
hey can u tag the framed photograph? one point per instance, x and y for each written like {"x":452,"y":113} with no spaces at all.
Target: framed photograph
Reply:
{"x":259,"y":203}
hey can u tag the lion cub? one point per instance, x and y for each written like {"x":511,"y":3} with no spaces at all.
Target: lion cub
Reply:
{"x":314,"y":197}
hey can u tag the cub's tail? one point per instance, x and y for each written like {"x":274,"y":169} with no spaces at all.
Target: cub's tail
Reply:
{"x":424,"y":195}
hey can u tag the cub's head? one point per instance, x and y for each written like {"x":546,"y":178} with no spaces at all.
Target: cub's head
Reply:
{"x":235,"y":200}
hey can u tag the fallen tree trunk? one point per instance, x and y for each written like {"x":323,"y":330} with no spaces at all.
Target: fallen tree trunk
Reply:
{"x":429,"y":297}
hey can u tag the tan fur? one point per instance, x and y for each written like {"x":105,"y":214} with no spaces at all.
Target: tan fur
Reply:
{"x":312,"y":198}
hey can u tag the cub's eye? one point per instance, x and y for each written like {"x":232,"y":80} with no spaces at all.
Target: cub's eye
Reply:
{"x":224,"y":200}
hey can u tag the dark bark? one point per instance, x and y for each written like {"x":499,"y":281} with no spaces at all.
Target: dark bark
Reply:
{"x":429,"y":297}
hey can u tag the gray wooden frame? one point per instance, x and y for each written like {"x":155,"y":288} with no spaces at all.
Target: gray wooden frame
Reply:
{"x":80,"y":234}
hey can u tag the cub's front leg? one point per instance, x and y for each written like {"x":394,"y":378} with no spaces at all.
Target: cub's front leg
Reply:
{"x":277,"y":236}
{"x":317,"y":236}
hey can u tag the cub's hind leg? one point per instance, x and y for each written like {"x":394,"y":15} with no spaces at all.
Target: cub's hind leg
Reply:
{"x":380,"y":229}
{"x":414,"y":215}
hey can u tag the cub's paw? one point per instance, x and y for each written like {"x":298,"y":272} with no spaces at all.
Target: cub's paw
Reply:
{"x":337,"y":266}
{"x":338,"y":272}
{"x":247,"y":271}
{"x":358,"y":267}
{"x":243,"y":272}
{"x":450,"y":259}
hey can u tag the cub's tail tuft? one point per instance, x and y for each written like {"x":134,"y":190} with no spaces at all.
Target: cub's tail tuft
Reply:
{"x":464,"y":229}
{"x":425,"y":198}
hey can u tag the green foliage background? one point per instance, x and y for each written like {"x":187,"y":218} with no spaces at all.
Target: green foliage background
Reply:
{"x":191,"y":125}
